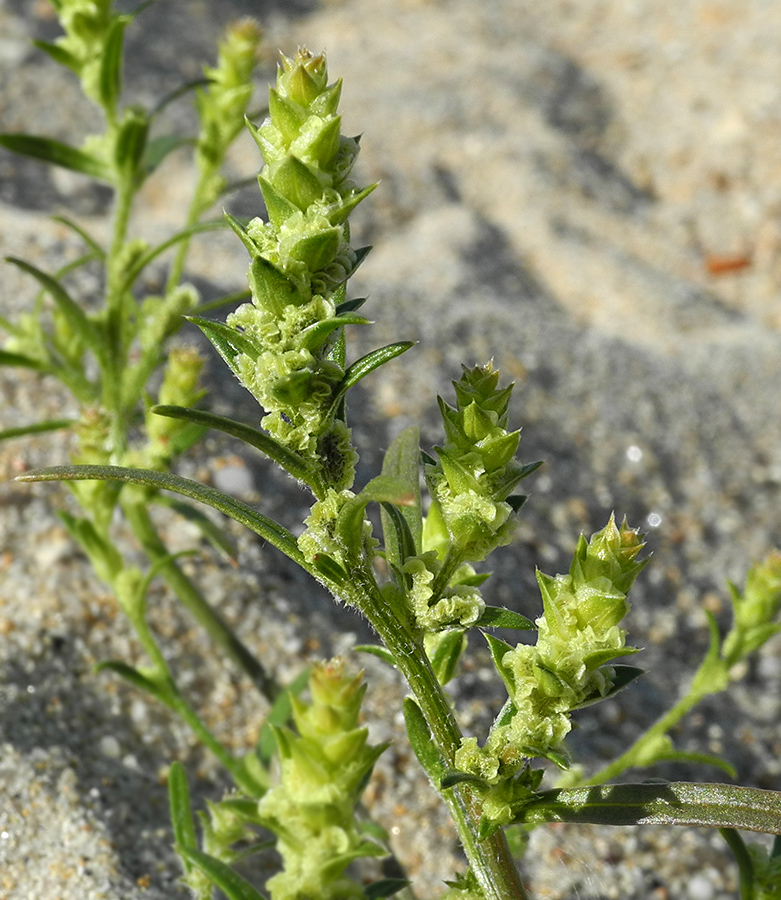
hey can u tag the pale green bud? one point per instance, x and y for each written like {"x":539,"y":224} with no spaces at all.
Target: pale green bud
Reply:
{"x":755,"y":610}
{"x":476,"y":472}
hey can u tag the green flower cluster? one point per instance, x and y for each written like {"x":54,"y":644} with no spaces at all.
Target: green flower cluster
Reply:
{"x":82,"y":48}
{"x":578,"y":635}
{"x":755,"y":610}
{"x":472,"y":481}
{"x":222,"y":107}
{"x":289,"y":339}
{"x":324,"y":769}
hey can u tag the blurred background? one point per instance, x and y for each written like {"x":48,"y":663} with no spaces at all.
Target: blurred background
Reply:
{"x":586,"y":191}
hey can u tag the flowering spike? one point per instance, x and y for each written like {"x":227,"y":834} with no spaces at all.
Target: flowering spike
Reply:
{"x":476,"y":470}
{"x":300,"y":261}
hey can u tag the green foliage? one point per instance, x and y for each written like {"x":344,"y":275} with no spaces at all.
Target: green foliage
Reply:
{"x":415,"y":583}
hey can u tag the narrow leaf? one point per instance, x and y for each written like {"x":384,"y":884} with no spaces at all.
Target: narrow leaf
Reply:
{"x":76,"y":316}
{"x":451,"y":779}
{"x":215,"y":535}
{"x":17,"y":359}
{"x":666,"y":803}
{"x":385,"y":887}
{"x":447,"y":654}
{"x":134,"y":677}
{"x":181,"y":810}
{"x":290,"y":461}
{"x":623,"y":676}
{"x":233,"y":885}
{"x":422,"y":742}
{"x":402,"y":461}
{"x":176,"y":94}
{"x":59,"y":55}
{"x":82,"y":233}
{"x":56,"y":153}
{"x":381,"y":489}
{"x":184,"y":235}
{"x":160,"y":147}
{"x":498,"y":649}
{"x":111,"y":64}
{"x":399,"y":542}
{"x":269,"y":530}
{"x":36,"y":428}
{"x":227,"y":341}
{"x":279,"y":714}
{"x":377,"y":650}
{"x":499,"y":617}
{"x":361,"y":367}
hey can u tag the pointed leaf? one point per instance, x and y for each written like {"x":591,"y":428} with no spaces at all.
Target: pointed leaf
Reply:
{"x":347,"y":306}
{"x":422,"y":742}
{"x":36,"y":428}
{"x":26,"y":362}
{"x":111,"y":64}
{"x":448,"y":652}
{"x":76,"y":317}
{"x":82,"y":233}
{"x":498,"y":649}
{"x":341,"y":211}
{"x":269,"y":530}
{"x":59,"y":55}
{"x":241,"y":233}
{"x":233,"y":885}
{"x":290,"y":461}
{"x":361,"y":367}
{"x":287,"y":115}
{"x":399,"y":542}
{"x":57,"y":154}
{"x":664,"y":803}
{"x":228,"y":342}
{"x":181,"y":810}
{"x":624,"y":675}
{"x":185,"y":234}
{"x":499,"y":617}
{"x":297,"y":182}
{"x":402,"y":461}
{"x":278,"y":715}
{"x":381,"y":489}
{"x":376,"y":650}
{"x":272,"y":288}
{"x":134,"y":677}
{"x":278,"y":207}
{"x":316,"y":335}
{"x":215,"y":535}
{"x":385,"y":887}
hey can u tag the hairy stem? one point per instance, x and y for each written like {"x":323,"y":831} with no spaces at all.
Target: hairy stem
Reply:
{"x":490,"y":859}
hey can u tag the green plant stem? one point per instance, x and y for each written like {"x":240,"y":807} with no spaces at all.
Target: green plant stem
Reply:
{"x":634,"y":755}
{"x":197,"y":208}
{"x":116,"y":357}
{"x":490,"y":859}
{"x":745,"y":866}
{"x":223,"y":636}
{"x":176,"y":702}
